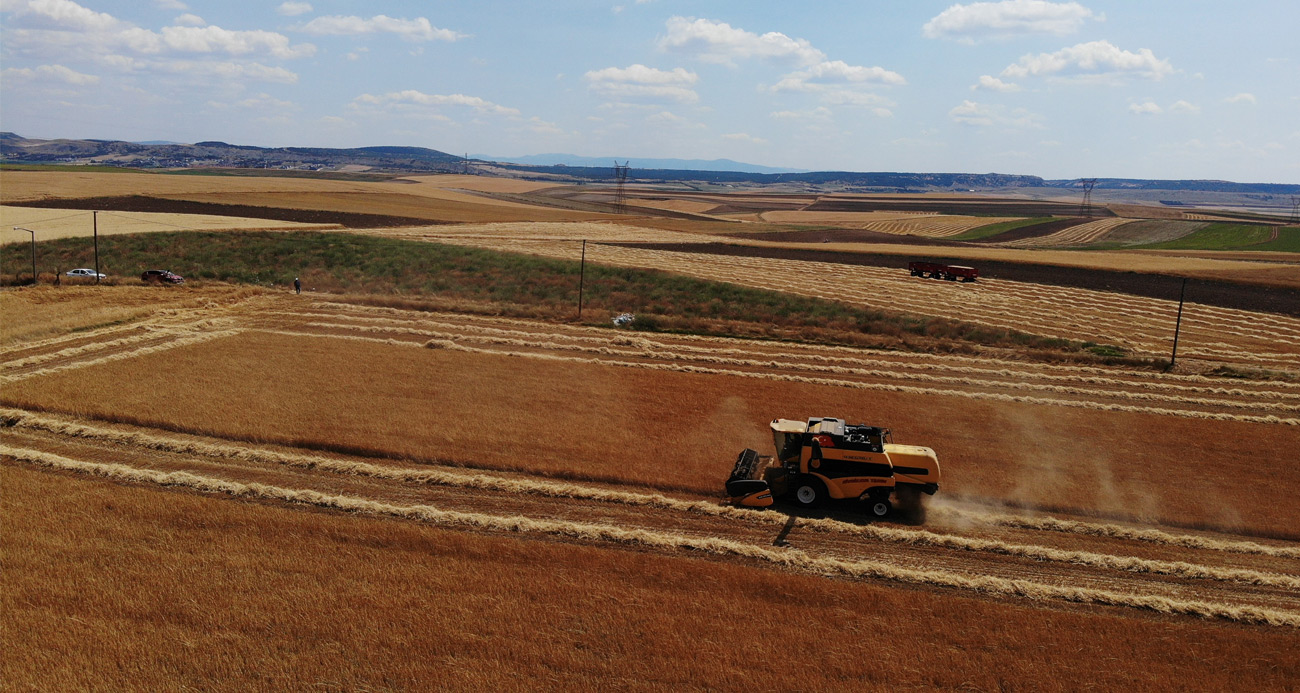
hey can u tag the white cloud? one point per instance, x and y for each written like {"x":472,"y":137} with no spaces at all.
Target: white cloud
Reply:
{"x":743,"y":137}
{"x":820,"y":113}
{"x":170,"y":5}
{"x":673,"y":120}
{"x":59,"y":15}
{"x":996,"y":20}
{"x":538,"y":126}
{"x":261,"y":102}
{"x":1243,"y":97}
{"x":293,"y":9}
{"x":718,"y":42}
{"x":1181,"y":106}
{"x":237,"y":71}
{"x":983,"y":115}
{"x":990,"y":83}
{"x":411,"y":98}
{"x":644,"y":83}
{"x":64,"y":28}
{"x":418,"y":29}
{"x":1093,"y":58}
{"x":48,"y":73}
{"x":1145,"y":108}
{"x":188,"y":19}
{"x":214,"y":39}
{"x":836,"y":72}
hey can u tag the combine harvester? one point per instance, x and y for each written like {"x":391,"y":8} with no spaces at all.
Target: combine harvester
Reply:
{"x":827,"y":458}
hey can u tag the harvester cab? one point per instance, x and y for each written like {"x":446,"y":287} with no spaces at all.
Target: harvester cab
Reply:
{"x":828,"y":458}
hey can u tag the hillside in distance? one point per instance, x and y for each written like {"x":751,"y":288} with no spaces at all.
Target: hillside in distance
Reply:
{"x":639,"y":163}
{"x":15,"y":149}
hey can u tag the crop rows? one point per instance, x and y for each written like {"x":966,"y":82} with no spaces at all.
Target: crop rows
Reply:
{"x":934,"y":226}
{"x":1251,"y":603}
{"x":956,"y":376}
{"x":1074,"y":235}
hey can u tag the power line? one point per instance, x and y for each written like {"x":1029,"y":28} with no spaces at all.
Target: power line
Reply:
{"x":620,"y":190}
{"x":1085,"y":209}
{"x":66,"y":216}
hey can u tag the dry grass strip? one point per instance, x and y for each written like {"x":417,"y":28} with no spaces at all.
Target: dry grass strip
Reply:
{"x":788,"y":558}
{"x":667,"y":353}
{"x":551,"y":489}
{"x":173,"y":344}
{"x":906,"y":389}
{"x":811,"y":352}
{"x":1112,"y":531}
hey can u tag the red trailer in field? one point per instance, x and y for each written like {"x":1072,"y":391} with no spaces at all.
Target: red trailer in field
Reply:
{"x":936,"y":270}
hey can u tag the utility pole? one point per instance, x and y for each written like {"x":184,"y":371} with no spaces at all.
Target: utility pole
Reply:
{"x":33,"y":233}
{"x":1178,"y":324}
{"x":95,"y":219}
{"x":582,"y":277}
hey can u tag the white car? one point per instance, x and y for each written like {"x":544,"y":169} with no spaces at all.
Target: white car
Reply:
{"x":83,"y":272}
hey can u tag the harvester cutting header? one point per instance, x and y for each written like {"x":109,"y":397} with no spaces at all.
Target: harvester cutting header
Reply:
{"x":827,"y":458}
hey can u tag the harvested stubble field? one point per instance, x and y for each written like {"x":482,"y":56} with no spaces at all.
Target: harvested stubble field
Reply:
{"x":429,"y":198}
{"x":466,"y":447}
{"x":50,"y":224}
{"x":304,"y":489}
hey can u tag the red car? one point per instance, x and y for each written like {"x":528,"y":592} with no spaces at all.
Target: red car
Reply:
{"x":161,"y":277}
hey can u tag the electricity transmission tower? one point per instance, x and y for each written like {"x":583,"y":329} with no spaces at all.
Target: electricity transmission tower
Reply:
{"x":620,"y":191}
{"x":1085,"y":209}
{"x":1295,"y":209}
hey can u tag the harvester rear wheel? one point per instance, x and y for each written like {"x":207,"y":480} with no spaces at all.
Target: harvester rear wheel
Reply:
{"x":809,"y":492}
{"x":879,"y":508}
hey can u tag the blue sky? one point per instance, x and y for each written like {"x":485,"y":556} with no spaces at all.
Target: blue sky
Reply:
{"x":1160,"y":89}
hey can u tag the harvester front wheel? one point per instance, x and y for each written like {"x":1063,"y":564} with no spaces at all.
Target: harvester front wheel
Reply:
{"x":879,"y":508}
{"x":809,"y":492}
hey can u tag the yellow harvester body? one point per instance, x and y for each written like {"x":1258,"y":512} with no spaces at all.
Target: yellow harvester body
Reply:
{"x":826,"y":458}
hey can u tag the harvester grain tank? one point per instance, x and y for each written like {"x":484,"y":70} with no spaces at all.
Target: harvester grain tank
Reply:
{"x":826,"y":458}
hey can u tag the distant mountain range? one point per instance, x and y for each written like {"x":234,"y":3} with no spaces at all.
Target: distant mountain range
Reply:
{"x":557,"y":167}
{"x":639,"y":163}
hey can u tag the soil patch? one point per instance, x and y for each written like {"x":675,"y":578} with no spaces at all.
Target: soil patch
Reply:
{"x":142,"y":203}
{"x":835,"y":235}
{"x":1207,"y":292}
{"x":1032,"y":231}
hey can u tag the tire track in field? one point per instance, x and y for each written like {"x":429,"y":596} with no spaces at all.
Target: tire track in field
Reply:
{"x":787,"y":558}
{"x":568,"y":490}
{"x":378,"y":310}
{"x":833,"y":382}
{"x":661,"y":352}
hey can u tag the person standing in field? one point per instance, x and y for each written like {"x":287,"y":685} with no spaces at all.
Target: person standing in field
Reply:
{"x":297,"y":286}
